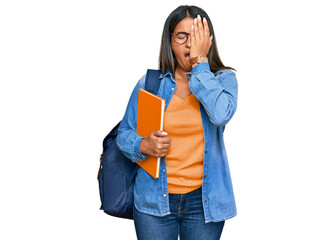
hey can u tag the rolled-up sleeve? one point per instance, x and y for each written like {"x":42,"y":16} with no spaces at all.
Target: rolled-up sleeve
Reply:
{"x":128,"y":140}
{"x":216,"y":92}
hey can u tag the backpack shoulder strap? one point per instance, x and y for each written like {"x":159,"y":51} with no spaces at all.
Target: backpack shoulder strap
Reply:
{"x":152,"y":81}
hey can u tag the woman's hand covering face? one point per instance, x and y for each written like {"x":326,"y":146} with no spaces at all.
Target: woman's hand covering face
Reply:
{"x":201,"y":40}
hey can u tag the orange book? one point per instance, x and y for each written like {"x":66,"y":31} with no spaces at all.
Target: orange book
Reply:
{"x":149,"y":119}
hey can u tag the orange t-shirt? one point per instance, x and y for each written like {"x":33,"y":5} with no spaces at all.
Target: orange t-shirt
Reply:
{"x":183,"y":123}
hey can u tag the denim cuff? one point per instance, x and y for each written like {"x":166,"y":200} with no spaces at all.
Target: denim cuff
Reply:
{"x":141,"y":155}
{"x":199,"y":68}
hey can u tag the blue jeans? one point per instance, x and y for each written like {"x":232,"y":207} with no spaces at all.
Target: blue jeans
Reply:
{"x":186,"y":219}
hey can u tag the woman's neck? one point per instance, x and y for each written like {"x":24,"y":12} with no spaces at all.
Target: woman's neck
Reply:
{"x":182,"y":83}
{"x":180,"y":75}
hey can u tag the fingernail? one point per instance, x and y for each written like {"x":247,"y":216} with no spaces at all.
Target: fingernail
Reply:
{"x":198,"y":16}
{"x":195,"y":20}
{"x":192,"y":27}
{"x":204,"y":20}
{"x":164,"y":133}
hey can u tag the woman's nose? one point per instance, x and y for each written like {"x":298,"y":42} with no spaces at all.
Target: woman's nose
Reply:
{"x":188,"y":41}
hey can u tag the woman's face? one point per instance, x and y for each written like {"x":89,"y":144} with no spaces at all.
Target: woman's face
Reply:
{"x":182,"y":51}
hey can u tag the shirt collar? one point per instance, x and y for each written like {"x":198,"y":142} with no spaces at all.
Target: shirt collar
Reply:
{"x":168,"y":72}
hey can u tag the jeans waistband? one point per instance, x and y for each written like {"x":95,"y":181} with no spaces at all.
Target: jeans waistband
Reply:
{"x":195,"y":192}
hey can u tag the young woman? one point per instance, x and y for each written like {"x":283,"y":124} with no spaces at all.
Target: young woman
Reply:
{"x":193,"y":195}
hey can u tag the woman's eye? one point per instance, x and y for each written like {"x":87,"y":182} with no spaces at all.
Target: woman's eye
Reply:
{"x":181,"y":36}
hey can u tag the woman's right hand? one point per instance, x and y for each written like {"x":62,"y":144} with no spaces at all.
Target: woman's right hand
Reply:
{"x":156,"y":144}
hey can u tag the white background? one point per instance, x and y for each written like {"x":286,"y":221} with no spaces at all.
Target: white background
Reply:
{"x":67,"y":69}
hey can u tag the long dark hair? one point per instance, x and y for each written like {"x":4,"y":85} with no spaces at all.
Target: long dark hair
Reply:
{"x":167,"y":59}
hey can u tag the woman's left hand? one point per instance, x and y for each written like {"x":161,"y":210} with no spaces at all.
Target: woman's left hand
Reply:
{"x":201,"y":40}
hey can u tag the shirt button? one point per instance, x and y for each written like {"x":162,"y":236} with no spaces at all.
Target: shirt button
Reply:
{"x":205,"y":201}
{"x":206,"y":152}
{"x":206,"y":130}
{"x":165,"y":195}
{"x":173,"y":89}
{"x":204,"y":176}
{"x":164,"y":170}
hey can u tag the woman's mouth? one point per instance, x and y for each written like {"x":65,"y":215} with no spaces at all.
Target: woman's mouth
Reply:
{"x":187,"y":56}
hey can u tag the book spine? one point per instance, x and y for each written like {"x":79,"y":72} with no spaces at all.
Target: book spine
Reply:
{"x":161,"y":128}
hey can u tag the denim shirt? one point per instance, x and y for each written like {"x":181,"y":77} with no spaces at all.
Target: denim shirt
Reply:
{"x":217,"y":95}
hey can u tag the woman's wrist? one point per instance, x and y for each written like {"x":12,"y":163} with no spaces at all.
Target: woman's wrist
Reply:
{"x":198,"y":59}
{"x":143,"y":146}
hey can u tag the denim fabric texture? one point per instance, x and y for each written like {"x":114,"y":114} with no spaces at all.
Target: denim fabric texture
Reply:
{"x":186,"y":219}
{"x":217,"y":94}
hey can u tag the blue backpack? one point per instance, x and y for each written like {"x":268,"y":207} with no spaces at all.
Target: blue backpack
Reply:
{"x":116,"y":173}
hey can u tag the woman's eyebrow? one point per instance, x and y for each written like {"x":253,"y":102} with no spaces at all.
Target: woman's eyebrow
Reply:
{"x":182,"y":32}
